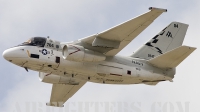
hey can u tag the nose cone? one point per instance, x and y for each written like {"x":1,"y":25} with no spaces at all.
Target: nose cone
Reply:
{"x":6,"y":54}
{"x":15,"y":52}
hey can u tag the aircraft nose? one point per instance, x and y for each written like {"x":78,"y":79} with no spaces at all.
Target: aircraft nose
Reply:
{"x":13,"y":53}
{"x":6,"y":54}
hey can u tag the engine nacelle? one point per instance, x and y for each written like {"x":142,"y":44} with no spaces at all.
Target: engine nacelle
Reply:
{"x":79,"y":53}
{"x":56,"y":79}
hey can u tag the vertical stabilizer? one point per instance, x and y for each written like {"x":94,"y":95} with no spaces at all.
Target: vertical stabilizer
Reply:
{"x":168,"y":39}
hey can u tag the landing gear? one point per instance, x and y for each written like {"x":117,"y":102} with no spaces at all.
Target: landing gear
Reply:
{"x":72,"y":75}
{"x":88,"y":78}
{"x":103,"y":82}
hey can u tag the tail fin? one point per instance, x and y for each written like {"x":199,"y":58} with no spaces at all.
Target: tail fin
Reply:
{"x":168,"y":39}
{"x":172,"y":58}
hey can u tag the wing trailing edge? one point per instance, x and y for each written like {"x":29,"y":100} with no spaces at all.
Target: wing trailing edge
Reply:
{"x":113,"y":40}
{"x":172,"y":58}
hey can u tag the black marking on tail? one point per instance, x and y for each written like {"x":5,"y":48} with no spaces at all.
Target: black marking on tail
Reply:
{"x":164,"y":29}
{"x":155,"y":37}
{"x":175,"y":25}
{"x":162,"y":33}
{"x":148,"y":44}
{"x":169,"y":34}
{"x":159,"y":50}
{"x":155,"y":41}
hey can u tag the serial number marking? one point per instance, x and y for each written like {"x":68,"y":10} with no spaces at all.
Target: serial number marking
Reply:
{"x":175,"y":25}
{"x":151,"y":56}
{"x":50,"y":45}
{"x":137,"y":63}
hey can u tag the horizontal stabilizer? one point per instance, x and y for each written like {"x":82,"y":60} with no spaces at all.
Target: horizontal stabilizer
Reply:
{"x":172,"y":58}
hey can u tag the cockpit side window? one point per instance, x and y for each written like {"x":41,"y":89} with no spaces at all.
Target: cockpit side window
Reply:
{"x":36,"y":41}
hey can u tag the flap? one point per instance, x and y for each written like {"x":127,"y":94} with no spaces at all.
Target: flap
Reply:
{"x":101,"y":42}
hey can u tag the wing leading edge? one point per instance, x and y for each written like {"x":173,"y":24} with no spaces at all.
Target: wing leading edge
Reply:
{"x":62,"y":92}
{"x":113,"y":40}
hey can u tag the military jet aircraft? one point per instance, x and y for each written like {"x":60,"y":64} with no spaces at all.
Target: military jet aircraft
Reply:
{"x":69,"y":65}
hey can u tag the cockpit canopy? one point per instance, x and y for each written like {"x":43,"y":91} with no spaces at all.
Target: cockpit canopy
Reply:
{"x":36,"y":41}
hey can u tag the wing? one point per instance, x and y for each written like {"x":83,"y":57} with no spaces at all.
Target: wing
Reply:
{"x":61,"y":93}
{"x":113,"y":40}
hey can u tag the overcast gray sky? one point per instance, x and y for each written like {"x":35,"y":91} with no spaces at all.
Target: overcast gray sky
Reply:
{"x":68,"y":20}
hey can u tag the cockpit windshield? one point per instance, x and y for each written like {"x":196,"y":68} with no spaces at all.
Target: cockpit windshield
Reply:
{"x":35,"y":41}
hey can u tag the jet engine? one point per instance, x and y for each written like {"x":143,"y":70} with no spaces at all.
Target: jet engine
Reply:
{"x":79,"y":53}
{"x":56,"y":79}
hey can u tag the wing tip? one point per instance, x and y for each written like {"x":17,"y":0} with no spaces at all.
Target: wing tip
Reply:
{"x":160,"y":9}
{"x":55,"y":104}
{"x":189,"y":47}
